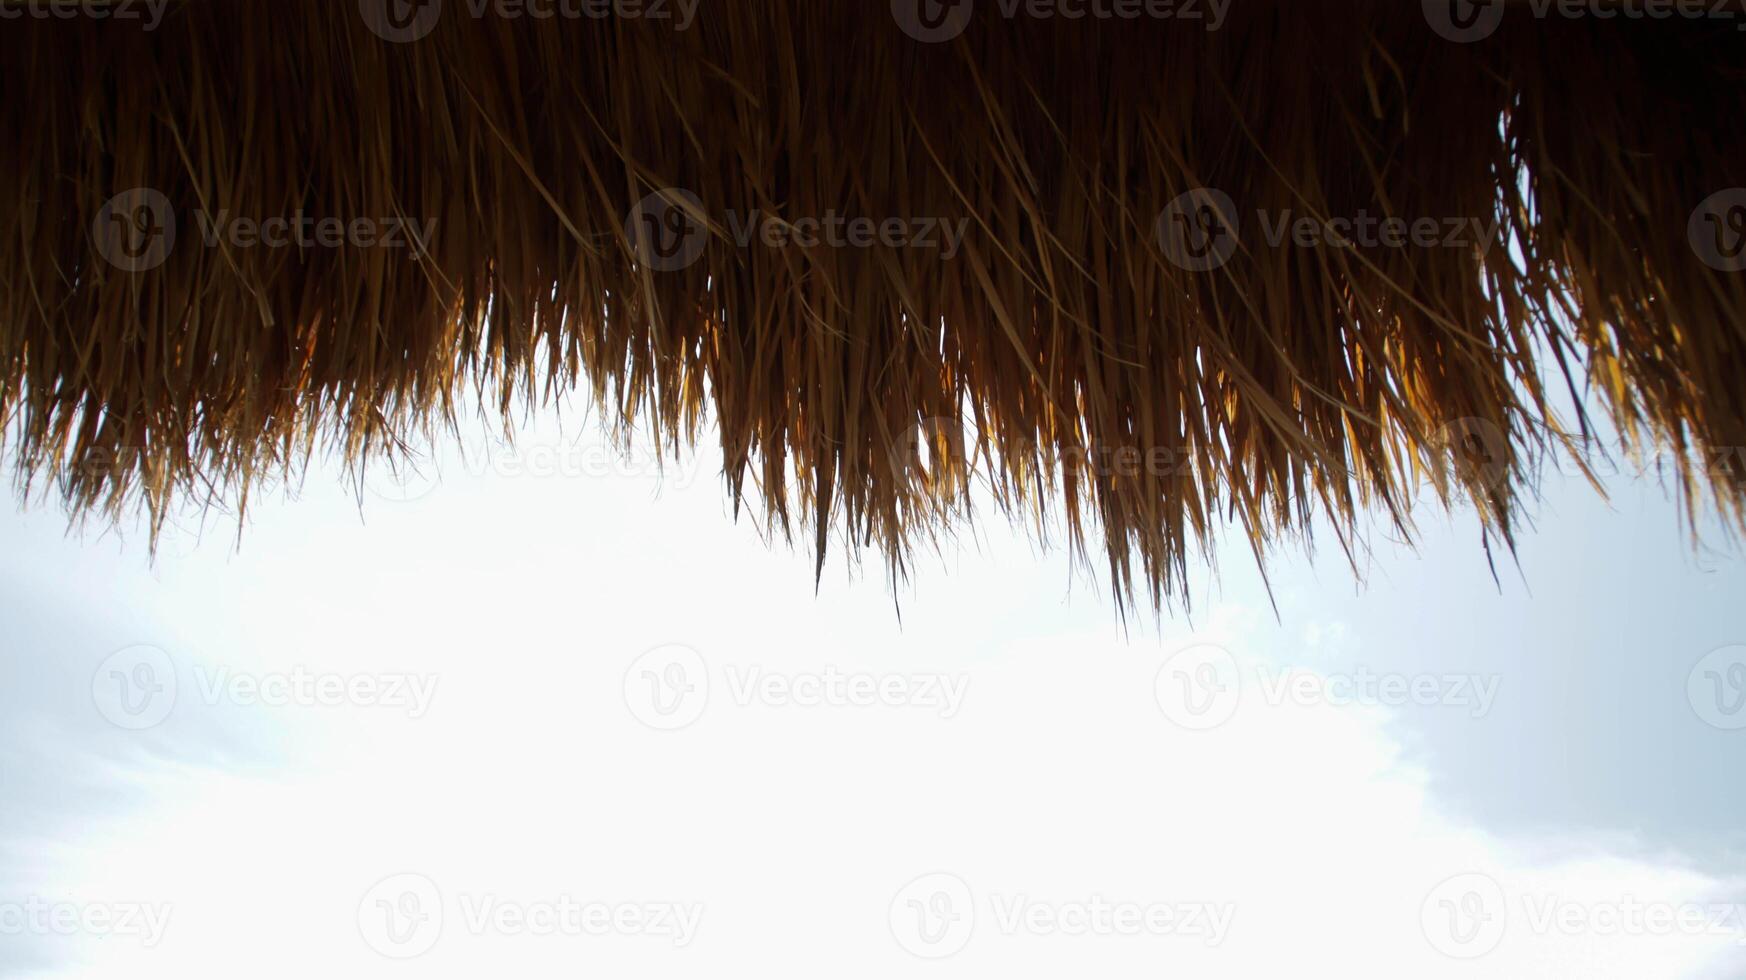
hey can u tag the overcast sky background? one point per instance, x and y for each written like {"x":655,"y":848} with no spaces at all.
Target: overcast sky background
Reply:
{"x":1594,"y":777}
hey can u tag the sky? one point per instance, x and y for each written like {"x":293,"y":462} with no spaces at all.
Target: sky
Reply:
{"x":556,"y":713}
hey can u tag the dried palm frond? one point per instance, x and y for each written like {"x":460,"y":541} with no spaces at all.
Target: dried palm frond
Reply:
{"x":1152,"y":393}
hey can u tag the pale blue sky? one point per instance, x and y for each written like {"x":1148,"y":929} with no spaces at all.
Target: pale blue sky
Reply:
{"x":530,"y":598}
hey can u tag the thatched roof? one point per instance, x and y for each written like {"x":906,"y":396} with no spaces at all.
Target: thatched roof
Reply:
{"x":1111,"y":344}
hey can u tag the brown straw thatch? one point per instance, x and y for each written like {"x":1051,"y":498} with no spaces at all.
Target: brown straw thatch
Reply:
{"x":1153,"y":392}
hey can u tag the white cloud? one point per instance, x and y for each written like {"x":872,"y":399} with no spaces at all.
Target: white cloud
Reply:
{"x":780,"y":832}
